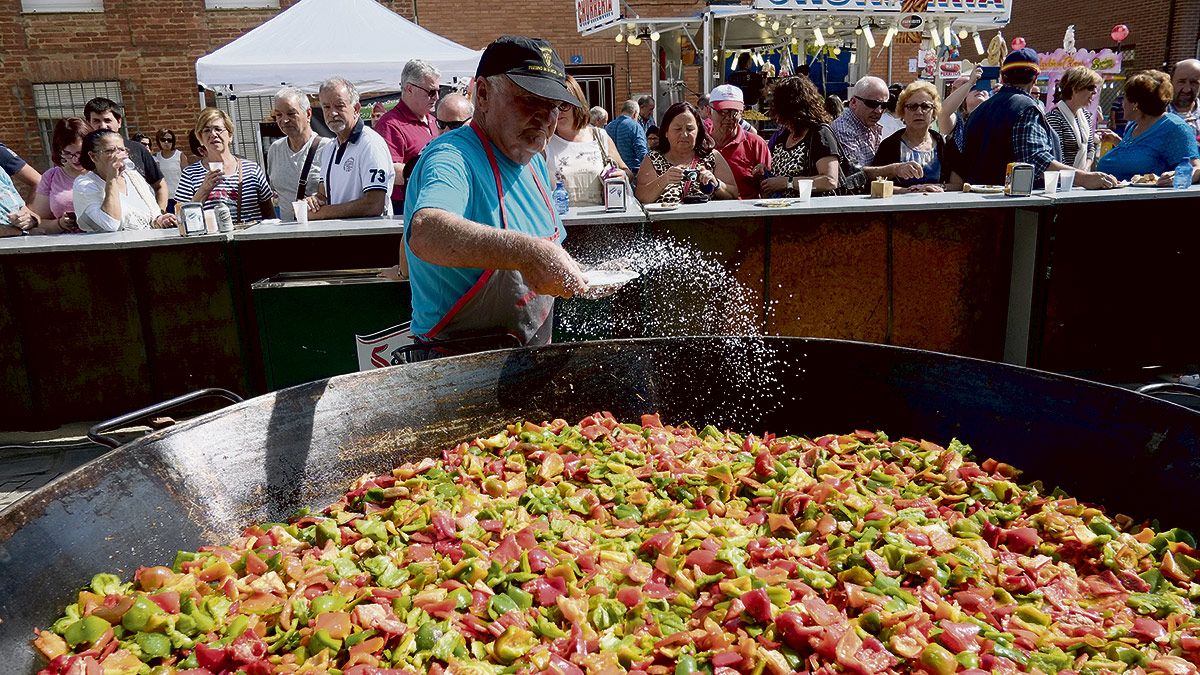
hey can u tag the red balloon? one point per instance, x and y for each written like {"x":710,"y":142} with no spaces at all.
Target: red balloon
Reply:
{"x":1018,"y":43}
{"x":1120,"y":32}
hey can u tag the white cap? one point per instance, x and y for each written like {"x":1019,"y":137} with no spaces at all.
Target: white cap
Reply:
{"x":726,"y":97}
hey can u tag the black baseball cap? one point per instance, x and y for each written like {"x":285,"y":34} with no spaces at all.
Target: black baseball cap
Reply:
{"x":530,"y":62}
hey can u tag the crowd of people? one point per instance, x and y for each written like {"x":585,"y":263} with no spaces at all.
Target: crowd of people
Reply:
{"x":910,"y":135}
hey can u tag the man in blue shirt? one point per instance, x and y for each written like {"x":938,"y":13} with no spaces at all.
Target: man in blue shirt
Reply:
{"x":629,"y":135}
{"x":483,"y":240}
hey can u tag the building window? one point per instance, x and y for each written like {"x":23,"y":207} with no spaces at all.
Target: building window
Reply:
{"x":55,"y":100}
{"x":241,"y":4}
{"x":61,"y":6}
{"x":247,"y":113}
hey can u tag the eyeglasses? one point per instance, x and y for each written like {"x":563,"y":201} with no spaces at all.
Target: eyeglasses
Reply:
{"x":431,"y":93}
{"x":728,"y":112}
{"x":444,"y":125}
{"x":68,"y":155}
{"x":212,"y":130}
{"x":871,"y":103}
{"x":923,"y":107}
{"x":539,"y":104}
{"x":113,"y":151}
{"x":168,"y":139}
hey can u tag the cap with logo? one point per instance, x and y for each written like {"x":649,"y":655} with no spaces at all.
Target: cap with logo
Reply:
{"x":726,"y":97}
{"x":529,"y":62}
{"x":1021,"y":58}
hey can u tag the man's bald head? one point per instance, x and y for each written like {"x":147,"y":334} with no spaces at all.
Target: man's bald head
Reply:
{"x":1186,"y":82}
{"x":454,"y":108}
{"x":867,"y":99}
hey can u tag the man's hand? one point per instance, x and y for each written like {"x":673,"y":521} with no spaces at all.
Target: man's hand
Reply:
{"x":1096,"y":180}
{"x":315,"y":203}
{"x":549,"y":270}
{"x":774,"y":184}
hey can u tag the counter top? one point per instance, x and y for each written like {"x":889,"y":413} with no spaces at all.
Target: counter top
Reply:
{"x":320,"y":228}
{"x":102,"y":241}
{"x":596,"y":215}
{"x":848,"y":204}
{"x":1081,"y":196}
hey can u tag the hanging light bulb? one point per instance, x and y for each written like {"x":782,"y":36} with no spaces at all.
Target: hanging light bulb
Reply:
{"x":837,"y":51}
{"x":947,"y":36}
{"x":963,"y":33}
{"x":935,"y":38}
{"x":818,"y":37}
{"x":978,"y":44}
{"x":631,"y":26}
{"x":787,"y":31}
{"x":858,"y":30}
{"x":795,"y":41}
{"x":829,"y":30}
{"x":774,"y":25}
{"x":654,"y":36}
{"x":869,"y":37}
{"x":620,"y":37}
{"x":887,"y":37}
{"x":635,"y":40}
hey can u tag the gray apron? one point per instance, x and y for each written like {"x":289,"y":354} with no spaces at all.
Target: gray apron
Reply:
{"x":499,"y":310}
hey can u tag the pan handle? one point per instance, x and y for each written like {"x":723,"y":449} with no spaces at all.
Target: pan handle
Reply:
{"x":98,"y":432}
{"x":1170,"y":388}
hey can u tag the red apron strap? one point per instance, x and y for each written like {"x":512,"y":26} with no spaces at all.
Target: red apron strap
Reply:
{"x":457,"y":307}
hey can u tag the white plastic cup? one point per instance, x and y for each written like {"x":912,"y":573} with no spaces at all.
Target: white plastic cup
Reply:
{"x":804,"y":189}
{"x":1051,"y":179}
{"x":216,"y":166}
{"x":1066,"y":180}
{"x":301,"y":209}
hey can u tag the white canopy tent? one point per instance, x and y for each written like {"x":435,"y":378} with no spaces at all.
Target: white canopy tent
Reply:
{"x":312,"y":40}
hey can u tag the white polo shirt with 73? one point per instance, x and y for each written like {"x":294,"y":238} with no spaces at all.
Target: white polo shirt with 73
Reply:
{"x":362,"y":164}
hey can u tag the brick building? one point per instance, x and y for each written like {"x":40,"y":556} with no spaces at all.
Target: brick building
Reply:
{"x":56,"y":54}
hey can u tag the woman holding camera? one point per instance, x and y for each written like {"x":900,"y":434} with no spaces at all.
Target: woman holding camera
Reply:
{"x":685,"y":167}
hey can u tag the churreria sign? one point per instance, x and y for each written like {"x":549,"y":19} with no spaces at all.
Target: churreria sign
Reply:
{"x":594,"y":13}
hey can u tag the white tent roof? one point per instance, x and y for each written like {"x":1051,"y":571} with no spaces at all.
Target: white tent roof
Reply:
{"x":312,"y":40}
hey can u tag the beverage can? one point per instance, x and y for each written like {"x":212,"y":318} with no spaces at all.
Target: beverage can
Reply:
{"x":224,"y":217}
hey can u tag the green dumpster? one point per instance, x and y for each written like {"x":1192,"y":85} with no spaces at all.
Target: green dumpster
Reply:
{"x":307,"y":321}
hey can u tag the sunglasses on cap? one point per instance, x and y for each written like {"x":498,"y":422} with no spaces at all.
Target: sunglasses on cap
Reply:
{"x":871,"y":103}
{"x":444,"y":125}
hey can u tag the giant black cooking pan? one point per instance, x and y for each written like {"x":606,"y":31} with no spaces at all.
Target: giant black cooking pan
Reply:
{"x":261,"y":459}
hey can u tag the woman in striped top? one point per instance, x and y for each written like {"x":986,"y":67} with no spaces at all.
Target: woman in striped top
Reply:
{"x":223,"y":177}
{"x":1071,"y":120}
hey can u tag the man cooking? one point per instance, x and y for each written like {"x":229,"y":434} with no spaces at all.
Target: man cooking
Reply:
{"x":483,"y":241}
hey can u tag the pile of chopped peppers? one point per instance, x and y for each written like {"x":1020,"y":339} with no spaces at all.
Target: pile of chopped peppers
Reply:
{"x":609,"y":547}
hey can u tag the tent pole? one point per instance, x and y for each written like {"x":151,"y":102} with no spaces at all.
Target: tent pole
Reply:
{"x":707,"y":70}
{"x":653,"y":75}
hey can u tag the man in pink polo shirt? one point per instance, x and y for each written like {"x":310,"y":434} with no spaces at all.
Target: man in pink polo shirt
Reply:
{"x":742,"y":150}
{"x":408,"y":127}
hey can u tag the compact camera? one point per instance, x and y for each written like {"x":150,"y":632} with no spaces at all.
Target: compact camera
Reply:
{"x":691,"y":174}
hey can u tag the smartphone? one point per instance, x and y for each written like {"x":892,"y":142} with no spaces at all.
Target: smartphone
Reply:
{"x":990,"y":74}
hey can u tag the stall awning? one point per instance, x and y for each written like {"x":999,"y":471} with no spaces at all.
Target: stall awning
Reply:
{"x":312,"y":40}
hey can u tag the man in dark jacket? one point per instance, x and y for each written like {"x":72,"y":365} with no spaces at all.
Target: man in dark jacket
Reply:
{"x":1009,"y":127}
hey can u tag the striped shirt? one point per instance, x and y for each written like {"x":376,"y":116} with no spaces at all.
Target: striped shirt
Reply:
{"x":1066,"y":135}
{"x":254,"y":189}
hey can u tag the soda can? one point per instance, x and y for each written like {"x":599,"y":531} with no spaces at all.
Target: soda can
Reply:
{"x":224,"y":217}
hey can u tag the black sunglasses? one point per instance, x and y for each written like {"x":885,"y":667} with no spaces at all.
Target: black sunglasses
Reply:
{"x":443,"y":125}
{"x":871,"y":103}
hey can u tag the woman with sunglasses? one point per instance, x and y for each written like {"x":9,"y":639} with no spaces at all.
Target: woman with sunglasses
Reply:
{"x":53,"y":201}
{"x":111,"y":196}
{"x":170,"y":162}
{"x":1071,"y":119}
{"x":581,"y":156}
{"x":917,"y":158}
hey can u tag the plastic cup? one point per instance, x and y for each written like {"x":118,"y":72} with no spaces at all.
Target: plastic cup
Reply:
{"x":1066,"y":180}
{"x":1051,"y":179}
{"x":301,"y":209}
{"x":216,"y":166}
{"x":804,"y":189}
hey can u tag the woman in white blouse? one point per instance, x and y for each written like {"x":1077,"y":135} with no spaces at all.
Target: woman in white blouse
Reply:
{"x":109,"y":196}
{"x":582,"y":156}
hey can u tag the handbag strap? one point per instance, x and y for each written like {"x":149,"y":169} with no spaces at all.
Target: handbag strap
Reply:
{"x":308,"y":161}
{"x":602,"y":141}
{"x":238,"y":202}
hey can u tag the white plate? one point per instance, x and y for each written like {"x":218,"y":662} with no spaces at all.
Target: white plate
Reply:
{"x":777,"y":203}
{"x":603,"y":283}
{"x":659,"y":206}
{"x":1150,"y":185}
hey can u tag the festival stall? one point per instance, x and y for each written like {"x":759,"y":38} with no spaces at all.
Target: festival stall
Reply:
{"x":781,"y":35}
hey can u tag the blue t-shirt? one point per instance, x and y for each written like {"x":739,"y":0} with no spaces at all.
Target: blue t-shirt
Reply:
{"x":1159,"y":149}
{"x":453,"y":174}
{"x":630,"y":139}
{"x":10,"y":199}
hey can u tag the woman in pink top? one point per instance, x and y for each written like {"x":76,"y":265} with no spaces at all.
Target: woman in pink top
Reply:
{"x":53,"y":200}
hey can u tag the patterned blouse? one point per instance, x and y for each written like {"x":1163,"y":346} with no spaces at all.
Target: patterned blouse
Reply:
{"x":801,"y":159}
{"x":674,"y":191}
